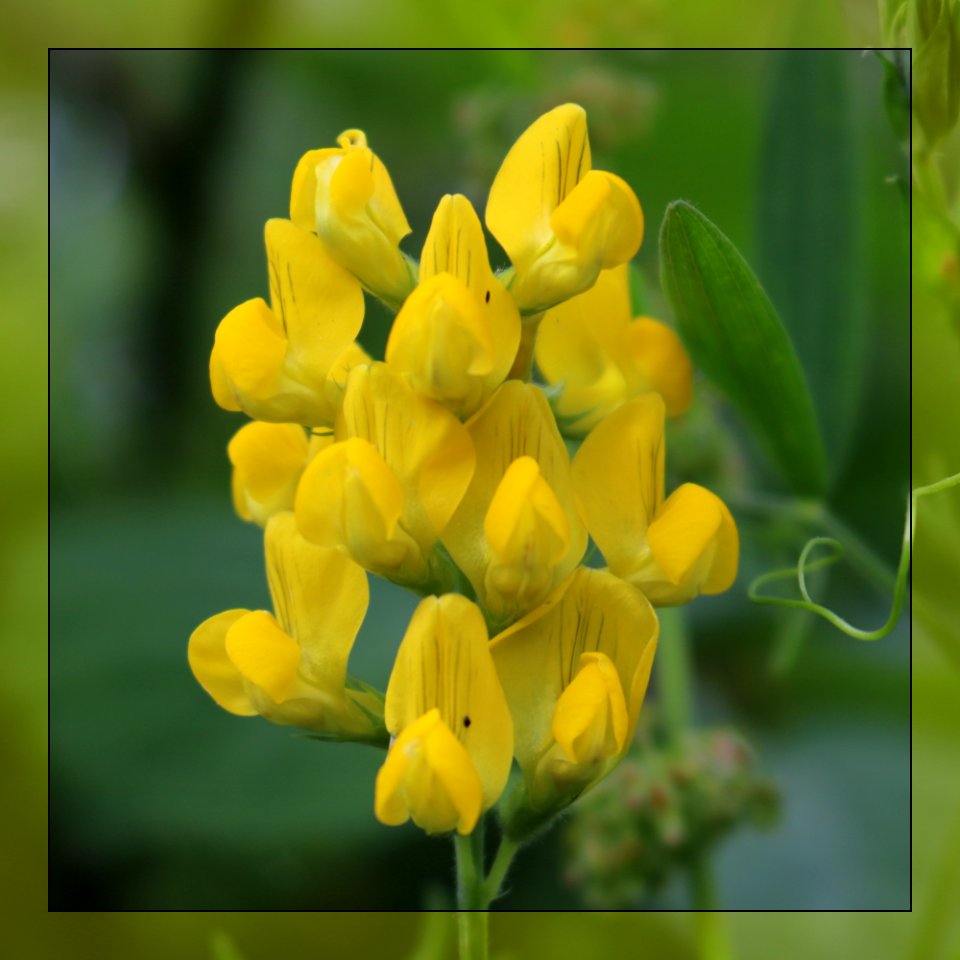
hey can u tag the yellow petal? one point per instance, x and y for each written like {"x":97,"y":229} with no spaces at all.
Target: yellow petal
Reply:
{"x":590,"y":720}
{"x":249,"y":351}
{"x":267,"y":460}
{"x":213,"y":669}
{"x":320,"y":305}
{"x":601,"y":219}
{"x":516,"y":422}
{"x":320,"y":597}
{"x":723,"y":569}
{"x":618,"y":477}
{"x":360,"y":220}
{"x":538,"y":657}
{"x":444,"y":663}
{"x":350,"y":499}
{"x":220,"y":385}
{"x":263,"y":654}
{"x":541,"y":169}
{"x":660,"y":363}
{"x":693,"y":547}
{"x":426,"y":447}
{"x":685,"y":526}
{"x":579,"y":347}
{"x":442,"y":340}
{"x":428,"y":776}
{"x":528,"y":534}
{"x":303,"y":190}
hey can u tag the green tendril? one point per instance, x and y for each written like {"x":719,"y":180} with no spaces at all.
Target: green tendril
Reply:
{"x":806,"y":565}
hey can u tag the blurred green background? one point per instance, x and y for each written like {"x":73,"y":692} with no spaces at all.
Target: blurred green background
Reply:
{"x":164,"y":166}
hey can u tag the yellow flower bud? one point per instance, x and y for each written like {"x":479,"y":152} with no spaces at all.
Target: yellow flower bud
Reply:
{"x":673,"y":549}
{"x":345,"y":194}
{"x":454,"y":736}
{"x":456,"y":336}
{"x":560,"y":222}
{"x":528,"y":533}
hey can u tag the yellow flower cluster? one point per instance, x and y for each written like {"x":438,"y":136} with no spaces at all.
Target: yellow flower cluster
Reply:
{"x":445,"y":469}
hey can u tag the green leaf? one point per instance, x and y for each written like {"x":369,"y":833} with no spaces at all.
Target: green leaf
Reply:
{"x":810,"y":237}
{"x":734,"y":335}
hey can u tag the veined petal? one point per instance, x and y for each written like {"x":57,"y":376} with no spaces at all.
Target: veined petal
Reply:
{"x":516,"y":422}
{"x":267,"y":460}
{"x":428,"y":776}
{"x":540,"y":170}
{"x":590,"y":719}
{"x":618,"y":477}
{"x":319,"y":303}
{"x":540,"y":657}
{"x":320,"y":596}
{"x":426,"y":447}
{"x":444,"y":662}
{"x":349,"y":498}
{"x":213,"y":669}
{"x":660,"y":363}
{"x":264,"y":654}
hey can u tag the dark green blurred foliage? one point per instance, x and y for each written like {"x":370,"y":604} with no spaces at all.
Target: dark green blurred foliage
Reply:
{"x":664,"y":808}
{"x":164,"y":167}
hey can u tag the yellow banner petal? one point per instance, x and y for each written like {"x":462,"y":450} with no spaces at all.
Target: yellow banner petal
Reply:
{"x":444,"y":663}
{"x":540,"y":656}
{"x":541,"y":169}
{"x":618,"y":476}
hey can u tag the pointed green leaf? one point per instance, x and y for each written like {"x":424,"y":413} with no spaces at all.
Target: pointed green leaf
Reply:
{"x":734,"y":335}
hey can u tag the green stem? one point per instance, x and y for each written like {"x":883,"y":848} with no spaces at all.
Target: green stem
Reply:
{"x":498,"y":872}
{"x":472,"y":916}
{"x":673,"y":665}
{"x":713,"y":939}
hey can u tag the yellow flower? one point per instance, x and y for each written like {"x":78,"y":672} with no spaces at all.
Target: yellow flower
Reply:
{"x":345,"y":194}
{"x":516,"y":532}
{"x":673,"y":549}
{"x":598,"y":357}
{"x":575,"y":672}
{"x":267,"y":461}
{"x":560,"y":222}
{"x":281,"y":363}
{"x":457,"y":334}
{"x":445,"y":707}
{"x":291,"y":667}
{"x":387,"y":488}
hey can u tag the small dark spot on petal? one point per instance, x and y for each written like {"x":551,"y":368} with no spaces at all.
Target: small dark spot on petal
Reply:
{"x":466,"y":720}
{"x":486,"y":299}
